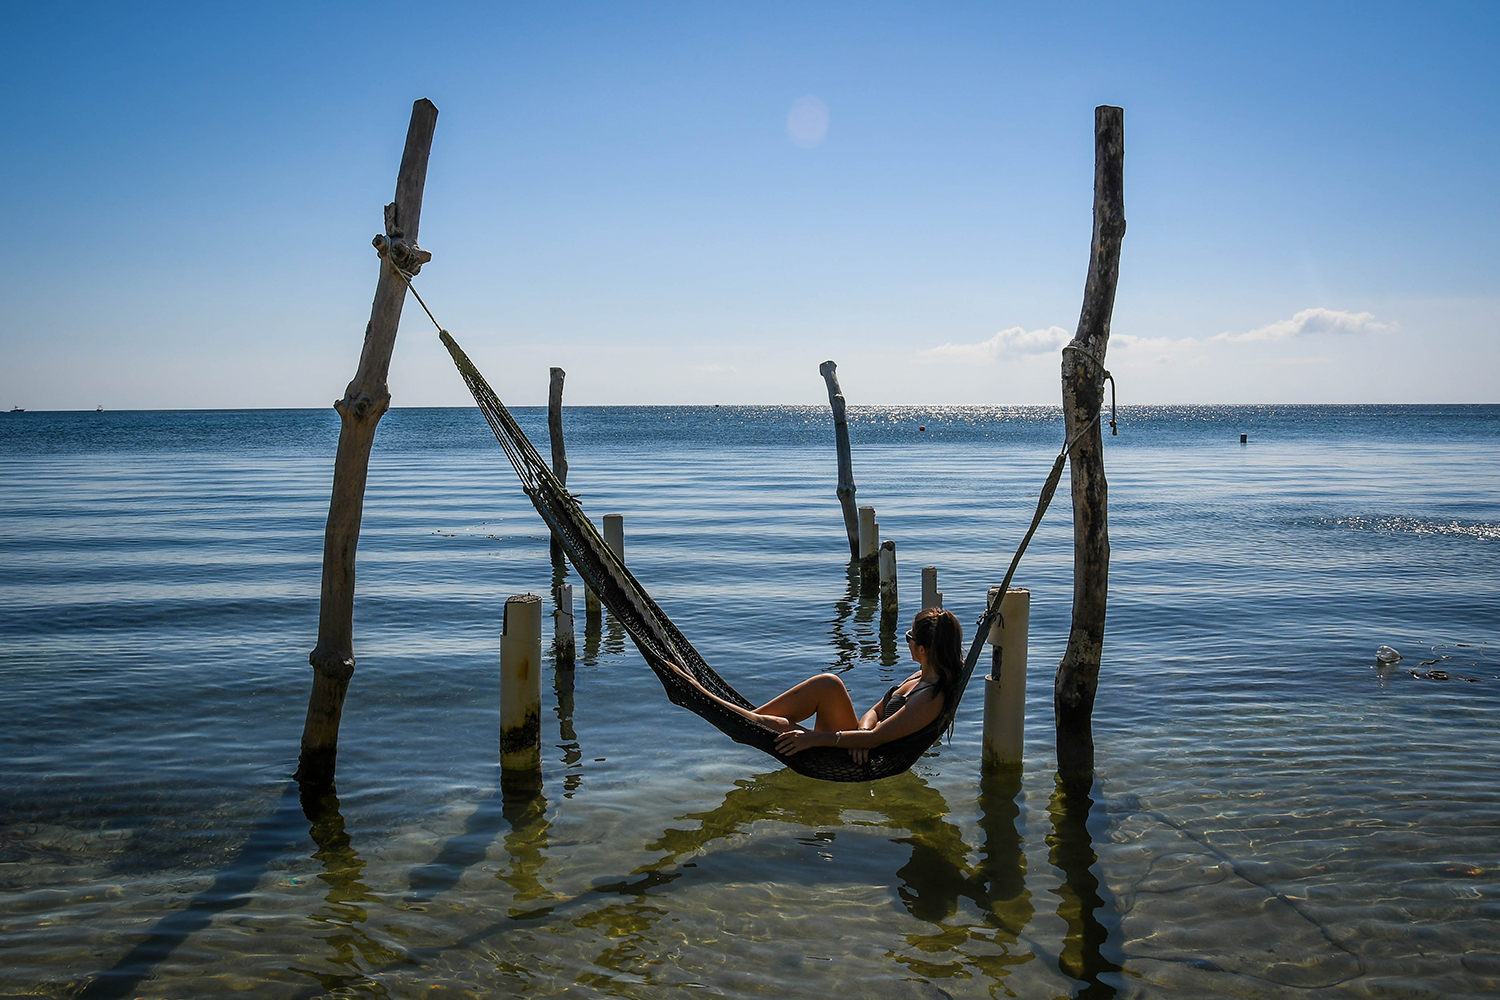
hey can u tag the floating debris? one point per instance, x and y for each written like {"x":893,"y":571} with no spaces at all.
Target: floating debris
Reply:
{"x":1385,"y":654}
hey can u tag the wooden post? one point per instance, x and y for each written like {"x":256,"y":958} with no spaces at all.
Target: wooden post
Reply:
{"x":931,"y":596}
{"x":887,"y":559}
{"x":564,"y":635}
{"x":365,"y":400}
{"x":559,"y":450}
{"x":1083,"y":375}
{"x":846,"y":488}
{"x":1005,"y":687}
{"x":868,"y":550}
{"x":521,"y":693}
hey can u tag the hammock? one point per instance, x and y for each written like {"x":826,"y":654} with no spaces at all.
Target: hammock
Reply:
{"x":659,"y":640}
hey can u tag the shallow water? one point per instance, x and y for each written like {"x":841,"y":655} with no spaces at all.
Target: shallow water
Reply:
{"x":1271,"y":816}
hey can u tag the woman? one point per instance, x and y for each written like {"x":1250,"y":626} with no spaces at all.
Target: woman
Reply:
{"x":936,"y":643}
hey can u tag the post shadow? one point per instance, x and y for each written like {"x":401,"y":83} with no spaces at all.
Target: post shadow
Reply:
{"x":232,"y":886}
{"x":1085,"y":904}
{"x":462,"y":851}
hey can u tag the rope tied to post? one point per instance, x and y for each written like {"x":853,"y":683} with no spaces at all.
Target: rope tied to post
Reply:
{"x":1114,"y":428}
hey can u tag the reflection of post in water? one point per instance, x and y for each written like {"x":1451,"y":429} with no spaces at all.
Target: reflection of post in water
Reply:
{"x":526,"y":843}
{"x":562,"y":685}
{"x":846,"y":647}
{"x":1002,"y":859}
{"x":352,"y":948}
{"x":614,"y":636}
{"x":1082,"y":898}
{"x":889,"y":623}
{"x":593,"y":623}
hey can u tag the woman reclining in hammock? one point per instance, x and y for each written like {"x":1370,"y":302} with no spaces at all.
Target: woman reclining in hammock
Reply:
{"x":936,"y":641}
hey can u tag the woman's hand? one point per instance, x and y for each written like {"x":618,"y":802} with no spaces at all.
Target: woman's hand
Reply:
{"x":861,"y":754}
{"x":795,"y":741}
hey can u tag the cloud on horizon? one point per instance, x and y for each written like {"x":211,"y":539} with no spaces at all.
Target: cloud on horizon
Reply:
{"x":1309,"y":322}
{"x":1011,"y":342}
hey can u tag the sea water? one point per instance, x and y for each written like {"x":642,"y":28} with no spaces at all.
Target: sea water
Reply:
{"x":1275,"y":812}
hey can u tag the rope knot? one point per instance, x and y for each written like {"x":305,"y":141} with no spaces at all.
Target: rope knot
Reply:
{"x":403,"y":256}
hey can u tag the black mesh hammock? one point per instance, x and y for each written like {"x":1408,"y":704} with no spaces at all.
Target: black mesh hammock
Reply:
{"x":659,"y":640}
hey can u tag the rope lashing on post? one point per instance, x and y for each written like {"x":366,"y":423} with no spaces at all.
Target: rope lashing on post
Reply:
{"x":1114,"y":428}
{"x":663,"y":646}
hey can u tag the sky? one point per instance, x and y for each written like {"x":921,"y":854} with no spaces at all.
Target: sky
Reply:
{"x":700,"y":202}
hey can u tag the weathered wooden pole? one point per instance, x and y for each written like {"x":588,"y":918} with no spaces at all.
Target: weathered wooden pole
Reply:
{"x":559,"y":450}
{"x":1083,"y":376}
{"x":846,"y":488}
{"x":365,"y":401}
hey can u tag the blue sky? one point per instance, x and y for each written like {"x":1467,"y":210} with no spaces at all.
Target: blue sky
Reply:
{"x":623,"y":190}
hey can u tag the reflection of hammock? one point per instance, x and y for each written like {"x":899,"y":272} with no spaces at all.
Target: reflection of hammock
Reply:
{"x":659,"y":640}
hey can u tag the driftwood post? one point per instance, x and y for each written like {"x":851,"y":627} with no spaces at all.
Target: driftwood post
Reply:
{"x":365,"y":401}
{"x":1083,"y":394}
{"x":559,"y":451}
{"x":829,"y":371}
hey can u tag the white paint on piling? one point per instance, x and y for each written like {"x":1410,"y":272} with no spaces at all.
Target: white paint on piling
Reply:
{"x":1005,"y":688}
{"x":888,"y":575}
{"x":521,"y":685}
{"x":931,"y":596}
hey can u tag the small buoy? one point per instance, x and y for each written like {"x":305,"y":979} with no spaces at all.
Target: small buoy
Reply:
{"x":1386,"y":654}
{"x":921,"y":427}
{"x":1244,"y":439}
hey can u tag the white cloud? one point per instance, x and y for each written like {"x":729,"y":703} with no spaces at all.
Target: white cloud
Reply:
{"x":1012,"y":342}
{"x":1158,"y":349}
{"x":1311,"y":321}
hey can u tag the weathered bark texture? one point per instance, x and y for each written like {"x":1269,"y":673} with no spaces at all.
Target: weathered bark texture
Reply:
{"x":365,"y":401}
{"x":559,"y":450}
{"x":1083,"y":395}
{"x":829,"y":371}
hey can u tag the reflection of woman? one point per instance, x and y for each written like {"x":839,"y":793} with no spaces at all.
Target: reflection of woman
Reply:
{"x":936,"y":641}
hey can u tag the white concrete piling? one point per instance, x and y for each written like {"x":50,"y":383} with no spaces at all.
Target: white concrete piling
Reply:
{"x":931,"y":596}
{"x":1005,"y":688}
{"x":521,"y":690}
{"x":565,"y":637}
{"x":887,"y":559}
{"x":869,"y":533}
{"x":614,"y":534}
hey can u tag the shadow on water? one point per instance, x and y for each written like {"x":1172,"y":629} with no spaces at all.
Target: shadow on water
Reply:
{"x":232,"y":888}
{"x":461,"y":851}
{"x":1091,"y":948}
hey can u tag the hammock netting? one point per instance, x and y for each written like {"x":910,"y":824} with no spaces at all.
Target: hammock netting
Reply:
{"x":661,"y":643}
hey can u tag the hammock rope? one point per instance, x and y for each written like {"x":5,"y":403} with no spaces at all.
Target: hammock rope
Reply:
{"x":660,"y":642}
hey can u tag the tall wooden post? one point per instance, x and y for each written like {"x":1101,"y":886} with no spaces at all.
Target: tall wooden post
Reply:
{"x":829,"y":371}
{"x":365,"y":401}
{"x":559,"y":450}
{"x":1083,"y":394}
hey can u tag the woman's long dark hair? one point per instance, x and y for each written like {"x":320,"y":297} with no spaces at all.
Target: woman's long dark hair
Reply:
{"x":939,"y":632}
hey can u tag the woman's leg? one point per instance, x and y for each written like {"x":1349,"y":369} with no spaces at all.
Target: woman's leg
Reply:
{"x":823,"y":696}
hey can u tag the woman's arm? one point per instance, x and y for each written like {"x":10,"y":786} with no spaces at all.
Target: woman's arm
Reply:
{"x":916,"y":713}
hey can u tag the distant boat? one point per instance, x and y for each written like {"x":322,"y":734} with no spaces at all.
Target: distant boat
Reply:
{"x":18,"y":409}
{"x":99,"y":408}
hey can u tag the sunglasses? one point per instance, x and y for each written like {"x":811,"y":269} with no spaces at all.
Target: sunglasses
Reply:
{"x":911,"y":637}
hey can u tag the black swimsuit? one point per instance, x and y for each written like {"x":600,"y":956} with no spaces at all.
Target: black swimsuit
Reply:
{"x":893,"y":702}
